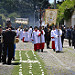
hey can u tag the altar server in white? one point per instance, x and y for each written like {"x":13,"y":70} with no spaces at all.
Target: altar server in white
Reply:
{"x":21,"y":34}
{"x":58,"y":44}
{"x":35,"y":39}
{"x":41,"y":39}
{"x":53,"y":38}
{"x":25,"y":35}
{"x":30,"y":33}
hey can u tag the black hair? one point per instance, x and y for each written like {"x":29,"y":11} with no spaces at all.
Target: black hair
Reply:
{"x":35,"y":27}
{"x":30,"y":26}
{"x":8,"y":23}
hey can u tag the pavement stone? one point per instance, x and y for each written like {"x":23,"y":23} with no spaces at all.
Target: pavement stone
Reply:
{"x":55,"y":63}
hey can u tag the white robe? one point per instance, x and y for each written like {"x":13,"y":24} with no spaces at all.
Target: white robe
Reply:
{"x":52,"y":35}
{"x":26,"y":36}
{"x":58,"y":44}
{"x":18,"y":31}
{"x":35,"y":37}
{"x":41,"y":38}
{"x":21,"y":34}
{"x":30,"y":33}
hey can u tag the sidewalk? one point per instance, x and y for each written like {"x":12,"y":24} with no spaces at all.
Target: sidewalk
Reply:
{"x":59,"y":63}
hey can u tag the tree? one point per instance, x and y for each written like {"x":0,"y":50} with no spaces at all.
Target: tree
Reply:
{"x":65,"y":10}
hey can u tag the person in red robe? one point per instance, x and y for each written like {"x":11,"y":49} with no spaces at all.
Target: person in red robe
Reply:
{"x":41,"y":39}
{"x":35,"y":39}
{"x":52,"y":38}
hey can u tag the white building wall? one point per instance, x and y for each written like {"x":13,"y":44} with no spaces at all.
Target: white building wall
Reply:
{"x":70,"y":22}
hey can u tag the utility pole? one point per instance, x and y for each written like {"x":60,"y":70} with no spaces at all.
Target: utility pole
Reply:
{"x":63,"y":0}
{"x":54,"y":4}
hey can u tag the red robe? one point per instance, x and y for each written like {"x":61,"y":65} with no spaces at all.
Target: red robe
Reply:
{"x":53,"y":43}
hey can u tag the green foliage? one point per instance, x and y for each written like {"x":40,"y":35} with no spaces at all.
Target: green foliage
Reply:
{"x":13,"y":15}
{"x":65,"y":10}
{"x":21,"y":8}
{"x":3,"y":17}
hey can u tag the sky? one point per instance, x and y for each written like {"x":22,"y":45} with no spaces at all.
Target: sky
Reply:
{"x":51,"y":1}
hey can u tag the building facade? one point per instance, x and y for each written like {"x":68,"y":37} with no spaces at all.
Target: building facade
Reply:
{"x":71,"y":21}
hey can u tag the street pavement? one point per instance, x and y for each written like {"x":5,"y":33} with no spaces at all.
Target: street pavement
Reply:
{"x":24,"y":46}
{"x":56,"y":63}
{"x":59,"y":63}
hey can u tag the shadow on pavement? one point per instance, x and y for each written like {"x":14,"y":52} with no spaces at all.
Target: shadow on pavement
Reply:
{"x":15,"y":63}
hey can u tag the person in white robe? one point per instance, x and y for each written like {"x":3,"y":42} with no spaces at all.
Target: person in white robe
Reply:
{"x":30,"y":33}
{"x":25,"y":35}
{"x":35,"y":39}
{"x":18,"y":32}
{"x":21,"y":34}
{"x":41,"y":39}
{"x":52,"y":38}
{"x":57,"y":36}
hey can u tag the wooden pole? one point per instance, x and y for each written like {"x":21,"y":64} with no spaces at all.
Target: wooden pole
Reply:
{"x":40,"y":17}
{"x":40,"y":23}
{"x":54,"y":4}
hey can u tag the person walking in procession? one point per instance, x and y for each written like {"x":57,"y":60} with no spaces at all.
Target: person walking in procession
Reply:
{"x":53,"y":38}
{"x":58,"y":44}
{"x":41,"y":39}
{"x":35,"y":38}
{"x":0,"y":43}
{"x":73,"y":37}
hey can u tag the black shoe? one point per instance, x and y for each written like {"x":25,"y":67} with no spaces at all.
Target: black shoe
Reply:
{"x":54,"y":50}
{"x":4,"y":63}
{"x":41,"y":50}
{"x":0,"y":61}
{"x":9,"y":64}
{"x":57,"y":51}
{"x":48,"y":47}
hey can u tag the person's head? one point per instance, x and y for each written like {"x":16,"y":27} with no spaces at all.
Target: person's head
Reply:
{"x":60,"y":27}
{"x":26,"y":29}
{"x":74,"y":27}
{"x":35,"y":28}
{"x":53,"y":27}
{"x":57,"y":27}
{"x":19,"y":26}
{"x":48,"y":28}
{"x":70,"y":27}
{"x":67,"y":27}
{"x":42,"y":27}
{"x":30,"y":26}
{"x":8,"y":23}
{"x":47,"y":25}
{"x":0,"y":29}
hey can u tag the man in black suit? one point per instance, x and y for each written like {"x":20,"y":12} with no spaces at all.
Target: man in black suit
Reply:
{"x":0,"y":44}
{"x":69,"y":35}
{"x":8,"y":41}
{"x":47,"y":36}
{"x":63,"y":35}
{"x":73,"y":37}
